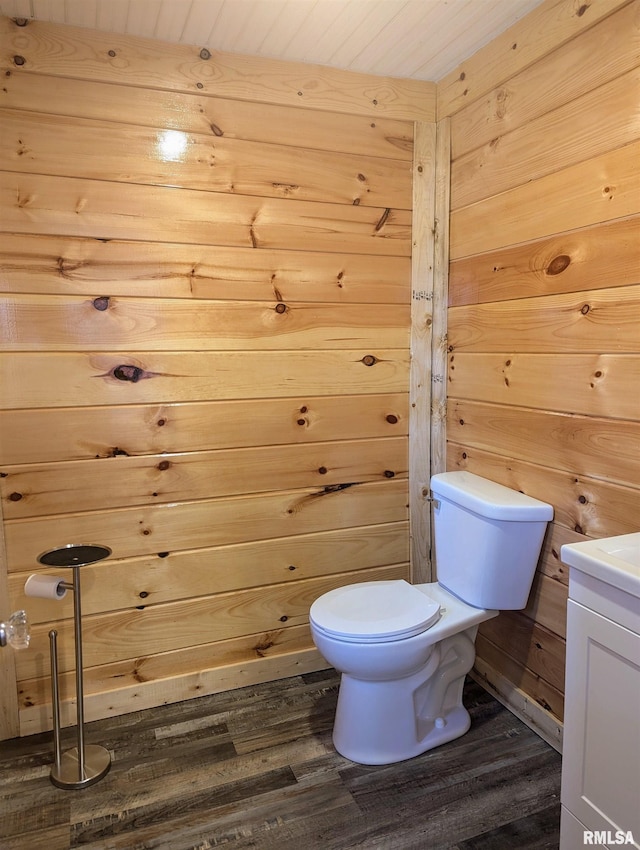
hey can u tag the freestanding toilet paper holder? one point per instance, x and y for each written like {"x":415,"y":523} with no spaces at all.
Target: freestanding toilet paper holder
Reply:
{"x":82,"y":765}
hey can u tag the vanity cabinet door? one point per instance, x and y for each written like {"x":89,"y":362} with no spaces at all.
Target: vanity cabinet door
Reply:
{"x":601,"y":749}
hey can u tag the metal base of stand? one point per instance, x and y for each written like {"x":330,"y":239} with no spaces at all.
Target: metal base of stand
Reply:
{"x":97,"y":762}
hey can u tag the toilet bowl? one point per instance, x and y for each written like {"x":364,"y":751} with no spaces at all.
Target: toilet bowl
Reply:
{"x":404,"y":650}
{"x":400,"y":695}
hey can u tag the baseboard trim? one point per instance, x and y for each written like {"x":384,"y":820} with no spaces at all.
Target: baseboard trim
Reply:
{"x":542,"y":722}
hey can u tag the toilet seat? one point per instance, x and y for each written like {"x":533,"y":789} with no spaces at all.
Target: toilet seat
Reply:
{"x":374,"y":612}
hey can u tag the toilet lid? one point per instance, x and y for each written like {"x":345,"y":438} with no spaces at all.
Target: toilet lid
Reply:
{"x":375,"y":611}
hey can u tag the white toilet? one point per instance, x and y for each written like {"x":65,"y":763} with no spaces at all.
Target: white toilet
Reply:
{"x":404,"y":650}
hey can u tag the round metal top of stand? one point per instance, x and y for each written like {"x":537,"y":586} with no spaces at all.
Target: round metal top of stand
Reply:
{"x":74,"y":555}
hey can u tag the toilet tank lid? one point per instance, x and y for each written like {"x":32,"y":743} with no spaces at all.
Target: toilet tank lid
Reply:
{"x":489,"y":499}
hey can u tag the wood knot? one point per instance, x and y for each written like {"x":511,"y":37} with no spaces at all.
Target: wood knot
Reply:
{"x":19,"y":60}
{"x":127,"y":372}
{"x":281,"y":308}
{"x":391,"y":419}
{"x":101,"y":303}
{"x":369,"y":360}
{"x":15,"y":497}
{"x":558,"y":264}
{"x":205,"y":54}
{"x":116,"y":452}
{"x":382,"y":220}
{"x":265,"y":643}
{"x":164,"y":464}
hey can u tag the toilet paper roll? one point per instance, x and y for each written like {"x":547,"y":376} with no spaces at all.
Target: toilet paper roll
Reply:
{"x":45,"y":587}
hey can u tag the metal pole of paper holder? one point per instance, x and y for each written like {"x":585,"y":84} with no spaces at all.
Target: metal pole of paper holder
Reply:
{"x":82,"y":765}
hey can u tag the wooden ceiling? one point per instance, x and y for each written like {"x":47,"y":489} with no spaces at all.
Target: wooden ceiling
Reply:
{"x":416,"y":39}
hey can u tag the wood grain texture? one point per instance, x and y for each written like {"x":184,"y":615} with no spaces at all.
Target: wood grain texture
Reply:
{"x":606,"y":319}
{"x":547,"y":604}
{"x":542,"y":388}
{"x":76,"y":147}
{"x":116,"y":688}
{"x":59,"y":323}
{"x":563,"y":76}
{"x":257,"y":768}
{"x":583,"y":128}
{"x":76,"y":266}
{"x":173,"y":67}
{"x":577,"y":261}
{"x":252,"y":376}
{"x":149,"y":630}
{"x":81,"y":379}
{"x":600,"y":447}
{"x":78,"y":207}
{"x":58,"y":488}
{"x":195,"y":113}
{"x":422,"y":293}
{"x":589,"y":384}
{"x":585,"y":194}
{"x":121,"y":430}
{"x":539,"y":649}
{"x":550,"y":28}
{"x":439,"y":339}
{"x":535,"y":685}
{"x":9,"y":717}
{"x":582,"y":504}
{"x":184,"y":574}
{"x":211,"y":522}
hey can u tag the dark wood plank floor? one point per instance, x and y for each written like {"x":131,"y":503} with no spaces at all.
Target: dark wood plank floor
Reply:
{"x":255,"y":768}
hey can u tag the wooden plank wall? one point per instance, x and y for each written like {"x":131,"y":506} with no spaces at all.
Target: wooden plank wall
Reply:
{"x":206,"y":278}
{"x":544,"y":302}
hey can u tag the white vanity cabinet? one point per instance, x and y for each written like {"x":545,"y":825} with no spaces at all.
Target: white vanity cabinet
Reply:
{"x":601,"y":747}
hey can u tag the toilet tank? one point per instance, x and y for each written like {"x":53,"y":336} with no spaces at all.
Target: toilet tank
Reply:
{"x":487,"y":539}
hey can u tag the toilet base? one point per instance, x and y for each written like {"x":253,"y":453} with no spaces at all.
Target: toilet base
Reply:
{"x":382,"y":722}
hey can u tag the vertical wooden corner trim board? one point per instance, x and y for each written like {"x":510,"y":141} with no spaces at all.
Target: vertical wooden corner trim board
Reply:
{"x":9,"y":721}
{"x":440,"y":299}
{"x":422,"y":287}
